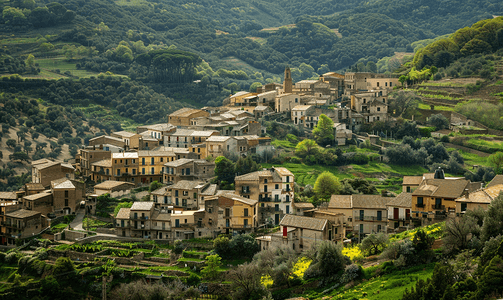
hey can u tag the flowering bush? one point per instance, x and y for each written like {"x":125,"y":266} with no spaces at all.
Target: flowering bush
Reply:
{"x":353,"y":252}
{"x":300,"y":267}
{"x":266,"y":281}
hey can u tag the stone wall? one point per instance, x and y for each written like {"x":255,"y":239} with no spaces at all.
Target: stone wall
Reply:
{"x":71,"y":235}
{"x":94,"y":238}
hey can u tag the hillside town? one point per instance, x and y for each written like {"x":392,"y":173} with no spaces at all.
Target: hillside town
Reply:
{"x":190,"y":203}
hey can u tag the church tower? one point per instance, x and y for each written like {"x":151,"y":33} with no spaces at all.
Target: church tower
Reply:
{"x":287,"y":83}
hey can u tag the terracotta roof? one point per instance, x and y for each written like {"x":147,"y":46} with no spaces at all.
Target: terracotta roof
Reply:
{"x":22,"y":213}
{"x":8,"y":196}
{"x":303,"y":205}
{"x":369,"y":201}
{"x":125,"y":134}
{"x":34,"y":186}
{"x":303,"y":222}
{"x":158,"y":127}
{"x":105,"y":163}
{"x":443,"y":188}
{"x":125,"y":155}
{"x":38,"y":196}
{"x":142,"y":205}
{"x":123,"y":213}
{"x":494,"y":190}
{"x":218,"y":138}
{"x":412,"y":180}
{"x":186,"y":185}
{"x":184,"y":112}
{"x":210,"y":190}
{"x":340,"y":201}
{"x":498,"y":179}
{"x":160,"y":191}
{"x":67,"y":184}
{"x":402,"y":200}
{"x":109,"y":184}
{"x":235,"y":197}
{"x":179,"y":162}
{"x":106,"y":137}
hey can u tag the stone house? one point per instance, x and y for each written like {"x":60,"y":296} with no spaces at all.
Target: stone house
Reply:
{"x":336,"y":82}
{"x":356,"y":81}
{"x":111,"y":187}
{"x":90,"y":156}
{"x":41,"y":202}
{"x":372,"y":105}
{"x":272,"y":188}
{"x":107,"y":140}
{"x":67,"y":196}
{"x":101,"y":170}
{"x":299,"y":114}
{"x":238,"y":99}
{"x":188,"y":169}
{"x":44,"y":171}
{"x":285,"y":102}
{"x":434,"y":199}
{"x":157,"y":131}
{"x":267,"y":98}
{"x":131,"y":140}
{"x":21,"y":224}
{"x":6,"y":206}
{"x":140,"y":215}
{"x":261,"y":111}
{"x":220,"y":145}
{"x":183,"y":116}
{"x":125,"y":167}
{"x":399,"y":209}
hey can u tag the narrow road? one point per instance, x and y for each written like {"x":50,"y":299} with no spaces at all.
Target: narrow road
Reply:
{"x":79,"y":218}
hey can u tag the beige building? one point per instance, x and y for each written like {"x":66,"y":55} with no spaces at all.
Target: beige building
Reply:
{"x":299,"y":114}
{"x":111,"y":187}
{"x":220,"y":145}
{"x":301,"y":233}
{"x":107,"y":140}
{"x":156,"y":131}
{"x":90,"y":156}
{"x":364,"y":214}
{"x":272,"y":188}
{"x":67,"y":196}
{"x":478,"y":200}
{"x":101,"y":170}
{"x":372,"y":105}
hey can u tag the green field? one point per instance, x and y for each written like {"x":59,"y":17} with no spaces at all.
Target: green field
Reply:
{"x":49,"y":65}
{"x":473,"y":159}
{"x":485,"y":146}
{"x":437,"y":107}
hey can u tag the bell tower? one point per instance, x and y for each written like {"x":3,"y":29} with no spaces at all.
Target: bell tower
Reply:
{"x":287,"y":83}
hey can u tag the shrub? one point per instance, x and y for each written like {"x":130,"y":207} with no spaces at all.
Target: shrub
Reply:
{"x":352,"y":272}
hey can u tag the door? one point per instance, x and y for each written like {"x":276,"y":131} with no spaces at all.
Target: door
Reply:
{"x":395,"y":213}
{"x":177,"y":223}
{"x":407,"y":213}
{"x":276,"y":219}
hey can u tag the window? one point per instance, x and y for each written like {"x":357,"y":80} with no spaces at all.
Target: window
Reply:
{"x":245,"y":212}
{"x":118,"y":172}
{"x":408,"y":189}
{"x":66,"y":202}
{"x":107,"y":171}
{"x":125,"y":162}
{"x":378,"y":109}
{"x":276,"y":198}
{"x":419,"y":202}
{"x":265,"y":180}
{"x":463,"y":206}
{"x":378,"y":228}
{"x":287,"y":199}
{"x":287,"y":178}
{"x":152,"y":170}
{"x":152,"y":161}
{"x":176,"y":193}
{"x":288,"y":209}
{"x":361,"y":228}
{"x":195,"y":195}
{"x":362,"y":215}
{"x":276,"y":207}
{"x":66,"y":194}
{"x":276,"y":186}
{"x":133,"y":161}
{"x":379,"y":215}
{"x":245,"y":223}
{"x":143,"y":171}
{"x":143,"y":161}
{"x":265,"y":188}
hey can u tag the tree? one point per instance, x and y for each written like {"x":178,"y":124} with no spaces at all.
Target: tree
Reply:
{"x":307,"y":147}
{"x":439,"y":121}
{"x":327,"y":262}
{"x":254,"y":86}
{"x":374,"y":243}
{"x":46,"y":47}
{"x":371,"y":66}
{"x":244,"y":245}
{"x":493,"y":220}
{"x":224,"y":169}
{"x":20,"y":136}
{"x":30,"y":61}
{"x":246,"y":165}
{"x":246,"y":282}
{"x":11,"y":143}
{"x":213,"y":263}
{"x":222,"y":246}
{"x":324,"y":132}
{"x":496,"y":161}
{"x":457,"y":233}
{"x":403,"y":103}
{"x":326,"y":185}
{"x":154,"y":186}
{"x":63,"y":266}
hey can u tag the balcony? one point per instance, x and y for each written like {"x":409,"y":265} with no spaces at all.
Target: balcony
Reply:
{"x":245,"y":191}
{"x":139,"y":218}
{"x":371,"y":218}
{"x":438,"y":207}
{"x":419,"y":204}
{"x":265,"y":199}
